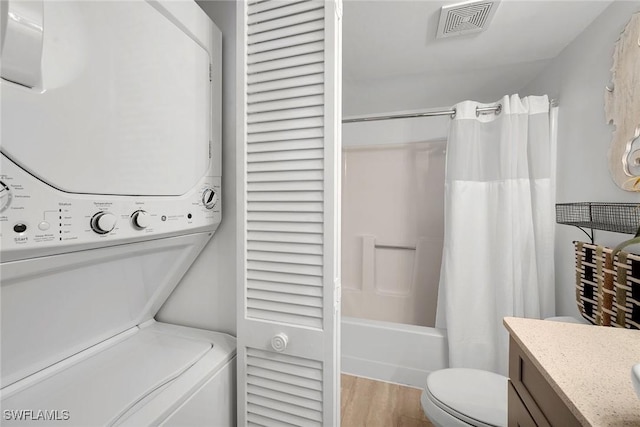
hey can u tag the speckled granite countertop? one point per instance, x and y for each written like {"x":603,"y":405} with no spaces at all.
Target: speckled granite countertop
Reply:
{"x":588,"y":366}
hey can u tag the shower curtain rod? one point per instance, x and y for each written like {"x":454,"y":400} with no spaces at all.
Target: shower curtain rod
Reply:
{"x":433,"y":113}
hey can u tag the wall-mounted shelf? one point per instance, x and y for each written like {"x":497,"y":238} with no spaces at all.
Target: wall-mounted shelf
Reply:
{"x":616,"y":217}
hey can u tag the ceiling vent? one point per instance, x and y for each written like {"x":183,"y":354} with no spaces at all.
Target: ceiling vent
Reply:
{"x":466,"y":18}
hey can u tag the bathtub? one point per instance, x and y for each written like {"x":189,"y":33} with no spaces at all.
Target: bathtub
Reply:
{"x":392,"y":352}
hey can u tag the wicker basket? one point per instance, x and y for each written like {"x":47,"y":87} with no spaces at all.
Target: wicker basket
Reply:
{"x":608,"y":291}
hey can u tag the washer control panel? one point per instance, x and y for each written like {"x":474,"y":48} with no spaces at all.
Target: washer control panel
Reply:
{"x":37,"y":219}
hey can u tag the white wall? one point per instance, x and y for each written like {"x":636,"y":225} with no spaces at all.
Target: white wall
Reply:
{"x":423,"y":91}
{"x":397,"y":131}
{"x":577,"y":78}
{"x":206,"y":296}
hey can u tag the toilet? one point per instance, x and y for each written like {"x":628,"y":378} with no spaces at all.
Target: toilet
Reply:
{"x":458,"y":397}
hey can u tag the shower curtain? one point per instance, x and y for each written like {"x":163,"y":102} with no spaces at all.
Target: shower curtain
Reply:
{"x":499,"y":227}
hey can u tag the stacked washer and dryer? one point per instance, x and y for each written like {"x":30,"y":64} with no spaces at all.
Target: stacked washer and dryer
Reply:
{"x":109,"y":189}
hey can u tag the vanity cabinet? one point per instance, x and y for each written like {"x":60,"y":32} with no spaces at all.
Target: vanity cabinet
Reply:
{"x":532,"y":400}
{"x":565,"y":374}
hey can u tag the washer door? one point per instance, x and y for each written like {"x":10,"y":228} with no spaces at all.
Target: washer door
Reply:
{"x":123,"y":106}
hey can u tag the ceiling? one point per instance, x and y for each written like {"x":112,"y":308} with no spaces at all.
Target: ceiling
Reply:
{"x":387,"y":41}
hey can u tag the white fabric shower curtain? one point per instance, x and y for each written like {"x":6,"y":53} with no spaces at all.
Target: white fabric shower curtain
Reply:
{"x":499,"y":227}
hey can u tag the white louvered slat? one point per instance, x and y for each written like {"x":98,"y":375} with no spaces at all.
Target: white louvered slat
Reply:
{"x":285,"y":63}
{"x":284,"y":207}
{"x":279,"y":396}
{"x":279,"y":415}
{"x":285,"y":388}
{"x":285,"y":135}
{"x":263,"y":6}
{"x":287,"y":10}
{"x":285,"y":196}
{"x":312,"y":313}
{"x":254,"y":294}
{"x":286,"y":104}
{"x":285,"y":288}
{"x":285,"y":42}
{"x":288,"y":83}
{"x":288,"y":165}
{"x":287,"y":408}
{"x":290,"y":248}
{"x":289,"y":258}
{"x":286,"y":317}
{"x":289,"y":114}
{"x":288,"y":199}
{"x":255,"y":420}
{"x":295,"y":229}
{"x":265,"y":236}
{"x":305,"y":27}
{"x":279,"y":74}
{"x":286,"y":217}
{"x":312,"y":175}
{"x":285,"y":94}
{"x":300,"y":144}
{"x":286,"y":21}
{"x":284,"y":146}
{"x":272,"y":55}
{"x":284,"y":378}
{"x":279,"y":361}
{"x":279,"y":277}
{"x":285,"y":155}
{"x":280,"y":267}
{"x":286,"y":125}
{"x":286,"y":186}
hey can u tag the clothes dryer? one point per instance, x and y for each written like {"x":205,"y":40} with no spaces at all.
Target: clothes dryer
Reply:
{"x":109,"y":189}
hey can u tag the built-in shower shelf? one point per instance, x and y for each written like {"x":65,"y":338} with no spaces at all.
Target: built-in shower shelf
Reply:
{"x":616,"y":217}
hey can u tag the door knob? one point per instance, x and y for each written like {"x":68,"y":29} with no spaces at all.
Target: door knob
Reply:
{"x":279,"y":342}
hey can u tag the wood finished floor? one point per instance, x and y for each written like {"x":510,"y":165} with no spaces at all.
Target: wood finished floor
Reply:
{"x":369,"y":403}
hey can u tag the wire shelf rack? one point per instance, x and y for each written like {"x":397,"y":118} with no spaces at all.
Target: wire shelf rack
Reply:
{"x":616,"y":217}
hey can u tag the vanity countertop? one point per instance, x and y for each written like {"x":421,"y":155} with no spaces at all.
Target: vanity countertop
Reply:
{"x":588,"y":366}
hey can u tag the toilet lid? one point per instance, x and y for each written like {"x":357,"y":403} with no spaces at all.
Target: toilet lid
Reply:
{"x":470,"y":393}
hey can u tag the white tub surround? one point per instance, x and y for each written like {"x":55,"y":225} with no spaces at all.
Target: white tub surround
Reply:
{"x":392,"y":352}
{"x":588,"y":367}
{"x":392,"y":231}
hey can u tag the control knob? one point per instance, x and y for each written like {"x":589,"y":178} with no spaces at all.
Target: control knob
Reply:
{"x":140,"y":219}
{"x":103,"y":222}
{"x":209,"y":198}
{"x":5,"y":196}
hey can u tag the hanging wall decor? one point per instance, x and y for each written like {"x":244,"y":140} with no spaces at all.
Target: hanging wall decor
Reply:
{"x":622,"y":108}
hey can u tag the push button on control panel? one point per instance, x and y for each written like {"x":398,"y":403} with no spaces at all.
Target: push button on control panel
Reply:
{"x":20,"y":228}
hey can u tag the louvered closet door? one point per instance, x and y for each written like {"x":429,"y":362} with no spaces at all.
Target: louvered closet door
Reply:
{"x":289,"y":163}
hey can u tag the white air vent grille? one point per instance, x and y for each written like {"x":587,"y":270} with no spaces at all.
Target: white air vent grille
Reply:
{"x":465,"y":18}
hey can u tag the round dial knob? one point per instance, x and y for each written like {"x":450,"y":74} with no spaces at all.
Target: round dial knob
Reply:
{"x":209,"y":198}
{"x":5,"y":196}
{"x":141,"y":219}
{"x":103,"y":222}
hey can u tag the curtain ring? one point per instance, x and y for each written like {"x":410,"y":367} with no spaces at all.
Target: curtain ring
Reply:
{"x":453,"y":115}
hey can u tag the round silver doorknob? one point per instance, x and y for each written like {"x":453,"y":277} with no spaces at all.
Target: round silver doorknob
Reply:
{"x":279,"y":342}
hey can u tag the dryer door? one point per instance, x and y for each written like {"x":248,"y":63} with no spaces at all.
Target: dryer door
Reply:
{"x":123,"y":106}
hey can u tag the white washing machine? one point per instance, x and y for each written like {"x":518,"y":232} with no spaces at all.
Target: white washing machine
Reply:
{"x":109,"y":189}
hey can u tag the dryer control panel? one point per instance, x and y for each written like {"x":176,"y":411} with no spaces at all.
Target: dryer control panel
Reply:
{"x":37,"y":219}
